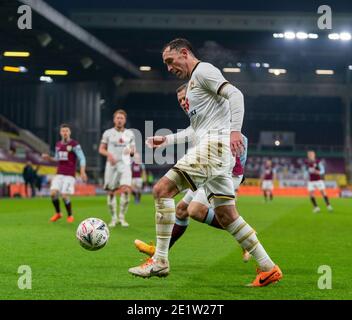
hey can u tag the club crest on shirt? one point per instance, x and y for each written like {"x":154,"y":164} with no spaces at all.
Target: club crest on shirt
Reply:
{"x":69,"y":148}
{"x":191,"y":85}
{"x":121,"y":141}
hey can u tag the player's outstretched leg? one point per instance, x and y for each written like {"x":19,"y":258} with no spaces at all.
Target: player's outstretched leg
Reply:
{"x":111,"y":200}
{"x":68,"y":206}
{"x":124,"y":201}
{"x":327,"y":201}
{"x":56,"y":203}
{"x":206,"y":215}
{"x":180,"y":226}
{"x":246,"y":236}
{"x":158,"y":265}
{"x":316,"y":209}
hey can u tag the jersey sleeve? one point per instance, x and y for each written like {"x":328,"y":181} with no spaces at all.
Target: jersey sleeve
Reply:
{"x":321,"y":168}
{"x":105,"y":137}
{"x":243,"y":157}
{"x":210,"y":78}
{"x":56,"y":155}
{"x":132,"y":142}
{"x":80,"y":155}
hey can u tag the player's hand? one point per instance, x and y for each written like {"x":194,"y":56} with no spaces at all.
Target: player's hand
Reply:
{"x":126,"y":151}
{"x":236,"y":143}
{"x":45,"y":156}
{"x":84,"y":176}
{"x":111,"y":159}
{"x":155,"y":142}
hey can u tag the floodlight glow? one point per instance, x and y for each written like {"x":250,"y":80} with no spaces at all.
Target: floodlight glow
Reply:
{"x":334,"y":36}
{"x":23,"y":54}
{"x":56,"y":72}
{"x":278,"y":35}
{"x":145,"y":68}
{"x":313,"y":36}
{"x":231,"y":70}
{"x":46,"y":79}
{"x":345,"y":36}
{"x":277,"y":72}
{"x":301,"y":35}
{"x":266,"y":65}
{"x":289,"y":35}
{"x":277,"y":143}
{"x":257,"y":64}
{"x":350,"y":67}
{"x":324,"y":72}
{"x":15,"y":69}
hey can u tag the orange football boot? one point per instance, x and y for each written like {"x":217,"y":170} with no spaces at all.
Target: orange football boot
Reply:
{"x":143,"y":247}
{"x":56,"y":217}
{"x":70,"y":219}
{"x":266,"y":277}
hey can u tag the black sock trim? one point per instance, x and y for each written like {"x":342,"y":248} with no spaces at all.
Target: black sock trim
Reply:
{"x":186,"y":177}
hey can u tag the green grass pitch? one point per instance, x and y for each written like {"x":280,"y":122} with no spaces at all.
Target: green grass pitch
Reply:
{"x":205,"y":263}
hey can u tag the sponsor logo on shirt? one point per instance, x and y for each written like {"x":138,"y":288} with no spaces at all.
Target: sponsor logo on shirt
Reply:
{"x":192,"y":113}
{"x":191,"y":85}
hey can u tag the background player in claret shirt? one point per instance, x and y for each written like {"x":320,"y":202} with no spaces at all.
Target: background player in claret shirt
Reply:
{"x":267,"y":180}
{"x":138,"y":177}
{"x":67,"y":151}
{"x":118,"y":146}
{"x":315,"y":171}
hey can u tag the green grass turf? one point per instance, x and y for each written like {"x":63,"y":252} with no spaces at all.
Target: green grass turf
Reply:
{"x":205,"y":264}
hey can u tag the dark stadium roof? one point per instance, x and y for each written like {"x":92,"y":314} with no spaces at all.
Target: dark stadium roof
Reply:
{"x":65,"y":50}
{"x":141,"y":46}
{"x":256,"y":5}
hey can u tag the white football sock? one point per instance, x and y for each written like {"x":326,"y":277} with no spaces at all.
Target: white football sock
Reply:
{"x":124,"y":201}
{"x":248,"y":240}
{"x":165,"y":220}
{"x":112,"y":206}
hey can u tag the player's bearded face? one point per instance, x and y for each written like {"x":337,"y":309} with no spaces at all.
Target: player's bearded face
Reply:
{"x":176,"y":62}
{"x":119,"y":120}
{"x":65,"y":133}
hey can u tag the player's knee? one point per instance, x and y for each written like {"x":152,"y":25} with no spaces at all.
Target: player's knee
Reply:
{"x":226,"y":214}
{"x":197,"y":211}
{"x":65,"y":197}
{"x":162,"y":190}
{"x":54,"y":194}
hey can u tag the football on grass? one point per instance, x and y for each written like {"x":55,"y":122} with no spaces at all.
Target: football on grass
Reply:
{"x":92,"y":234}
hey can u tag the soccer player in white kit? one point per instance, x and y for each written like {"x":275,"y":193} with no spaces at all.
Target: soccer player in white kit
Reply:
{"x":118,"y":146}
{"x":195,"y":203}
{"x":216,"y":110}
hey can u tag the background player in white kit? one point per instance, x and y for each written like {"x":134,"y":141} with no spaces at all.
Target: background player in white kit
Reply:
{"x":139,"y":175}
{"x":216,"y":110}
{"x":118,"y":146}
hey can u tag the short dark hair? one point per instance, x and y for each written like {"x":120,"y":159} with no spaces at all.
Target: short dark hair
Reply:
{"x":64,"y":125}
{"x":178,"y":44}
{"x":181,"y":87}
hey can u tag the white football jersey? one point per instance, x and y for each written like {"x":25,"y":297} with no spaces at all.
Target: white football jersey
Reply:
{"x":209,"y":113}
{"x":118,"y":142}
